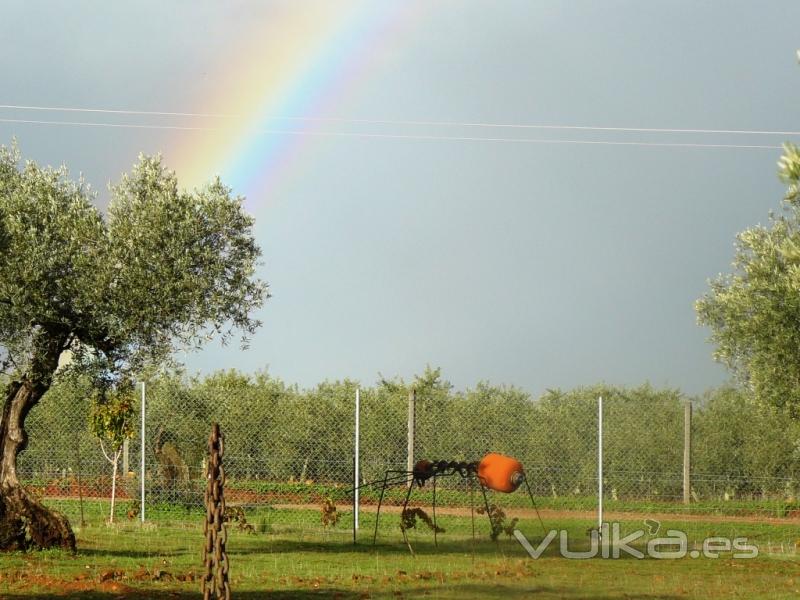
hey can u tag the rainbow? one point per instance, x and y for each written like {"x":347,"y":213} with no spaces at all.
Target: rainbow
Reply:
{"x":303,"y":61}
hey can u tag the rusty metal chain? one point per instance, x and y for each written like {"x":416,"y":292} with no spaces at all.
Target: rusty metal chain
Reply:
{"x":215,"y":560}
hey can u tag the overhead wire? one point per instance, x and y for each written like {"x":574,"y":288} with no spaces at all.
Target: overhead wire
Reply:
{"x":427,"y":123}
{"x":520,"y":140}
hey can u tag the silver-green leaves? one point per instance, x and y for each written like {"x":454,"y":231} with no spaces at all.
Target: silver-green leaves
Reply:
{"x":163,"y":268}
{"x":754,"y":312}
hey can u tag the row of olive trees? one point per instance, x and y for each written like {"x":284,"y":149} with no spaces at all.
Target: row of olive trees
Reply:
{"x":278,"y":432}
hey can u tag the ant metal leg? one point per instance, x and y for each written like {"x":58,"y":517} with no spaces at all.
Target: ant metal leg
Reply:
{"x":403,"y":514}
{"x":488,"y":512}
{"x":435,"y":528}
{"x":536,"y":508}
{"x":380,"y":500}
{"x":472,"y":512}
{"x":378,"y":513}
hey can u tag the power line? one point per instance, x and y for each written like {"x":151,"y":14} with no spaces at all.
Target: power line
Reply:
{"x":116,"y":125}
{"x":402,"y":122}
{"x":397,"y":136}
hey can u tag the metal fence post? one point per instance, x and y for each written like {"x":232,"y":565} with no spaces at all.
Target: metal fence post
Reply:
{"x":412,"y":402}
{"x":600,"y":463}
{"x":687,"y":452}
{"x":356,"y":462}
{"x":142,"y":450}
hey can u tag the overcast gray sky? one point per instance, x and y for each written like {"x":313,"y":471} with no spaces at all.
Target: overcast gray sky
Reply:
{"x":535,"y":264}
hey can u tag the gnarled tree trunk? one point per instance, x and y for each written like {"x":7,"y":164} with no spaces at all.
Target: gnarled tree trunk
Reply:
{"x":24,"y":523}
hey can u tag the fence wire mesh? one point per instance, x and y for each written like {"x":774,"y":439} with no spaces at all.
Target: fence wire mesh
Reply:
{"x":289,"y":450}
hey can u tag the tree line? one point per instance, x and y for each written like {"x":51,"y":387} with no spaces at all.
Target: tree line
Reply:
{"x":277,"y":432}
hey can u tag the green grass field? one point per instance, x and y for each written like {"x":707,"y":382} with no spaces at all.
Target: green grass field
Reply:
{"x":292,"y":556}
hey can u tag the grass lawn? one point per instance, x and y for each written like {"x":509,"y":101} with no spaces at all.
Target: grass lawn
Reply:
{"x":292,"y":556}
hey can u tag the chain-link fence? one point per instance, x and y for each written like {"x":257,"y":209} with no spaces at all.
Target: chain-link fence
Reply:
{"x":289,"y":450}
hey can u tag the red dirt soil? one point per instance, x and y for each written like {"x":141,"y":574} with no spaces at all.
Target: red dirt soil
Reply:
{"x":294,"y":502}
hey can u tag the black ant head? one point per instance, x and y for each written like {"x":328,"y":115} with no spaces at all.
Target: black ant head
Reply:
{"x":423,"y":471}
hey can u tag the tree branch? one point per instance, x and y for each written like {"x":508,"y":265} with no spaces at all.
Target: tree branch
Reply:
{"x":103,"y":448}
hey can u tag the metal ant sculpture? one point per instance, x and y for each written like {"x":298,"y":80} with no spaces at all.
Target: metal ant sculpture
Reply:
{"x":494,"y":471}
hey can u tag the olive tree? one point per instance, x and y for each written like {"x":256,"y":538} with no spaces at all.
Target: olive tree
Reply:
{"x":754,"y":312}
{"x":111,"y":421}
{"x":161,"y":269}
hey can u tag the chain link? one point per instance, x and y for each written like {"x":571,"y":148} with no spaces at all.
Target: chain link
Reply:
{"x":287,"y":449}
